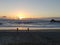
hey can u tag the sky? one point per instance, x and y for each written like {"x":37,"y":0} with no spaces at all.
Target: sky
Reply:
{"x":30,"y":8}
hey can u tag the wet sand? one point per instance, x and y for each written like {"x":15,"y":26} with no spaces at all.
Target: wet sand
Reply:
{"x":31,"y":37}
{"x":35,"y":30}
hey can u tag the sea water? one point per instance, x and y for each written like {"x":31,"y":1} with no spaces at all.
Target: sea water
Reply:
{"x":36,"y":24}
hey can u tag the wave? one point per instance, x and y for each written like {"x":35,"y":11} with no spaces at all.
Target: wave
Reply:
{"x":30,"y":24}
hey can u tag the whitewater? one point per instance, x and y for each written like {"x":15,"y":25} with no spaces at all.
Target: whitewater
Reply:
{"x":31,"y":24}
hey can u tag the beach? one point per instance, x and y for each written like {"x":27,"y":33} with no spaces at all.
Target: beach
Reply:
{"x":29,"y":22}
{"x":31,"y":37}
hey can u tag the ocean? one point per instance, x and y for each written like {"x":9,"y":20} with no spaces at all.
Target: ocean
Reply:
{"x":27,"y":37}
{"x":32,"y":24}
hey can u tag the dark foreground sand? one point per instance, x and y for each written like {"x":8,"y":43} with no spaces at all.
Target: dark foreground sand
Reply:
{"x":35,"y":37}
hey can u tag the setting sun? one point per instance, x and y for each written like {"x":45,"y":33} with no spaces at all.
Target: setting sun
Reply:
{"x":21,"y":17}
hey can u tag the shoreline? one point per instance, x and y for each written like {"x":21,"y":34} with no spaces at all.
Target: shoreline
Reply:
{"x":35,"y":30}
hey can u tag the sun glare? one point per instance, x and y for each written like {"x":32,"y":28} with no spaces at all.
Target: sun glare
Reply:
{"x":21,"y":17}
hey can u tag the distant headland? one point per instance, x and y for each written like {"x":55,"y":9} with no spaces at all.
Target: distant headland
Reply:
{"x":52,"y":20}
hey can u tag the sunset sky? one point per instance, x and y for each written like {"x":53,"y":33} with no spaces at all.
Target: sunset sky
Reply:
{"x":30,"y":8}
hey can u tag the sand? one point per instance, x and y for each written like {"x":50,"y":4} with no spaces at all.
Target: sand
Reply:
{"x":32,"y":37}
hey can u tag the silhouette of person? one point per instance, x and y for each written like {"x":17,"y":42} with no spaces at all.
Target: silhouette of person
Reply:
{"x":27,"y":29}
{"x":17,"y":29}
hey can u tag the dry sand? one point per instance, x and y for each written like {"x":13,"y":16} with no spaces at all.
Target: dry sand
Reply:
{"x":32,"y":37}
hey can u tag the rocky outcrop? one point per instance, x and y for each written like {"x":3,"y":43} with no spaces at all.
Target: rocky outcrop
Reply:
{"x":55,"y":21}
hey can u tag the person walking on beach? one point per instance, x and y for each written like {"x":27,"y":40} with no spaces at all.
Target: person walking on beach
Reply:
{"x":17,"y":29}
{"x":27,"y":29}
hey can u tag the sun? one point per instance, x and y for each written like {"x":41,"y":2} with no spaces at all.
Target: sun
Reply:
{"x":21,"y":17}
